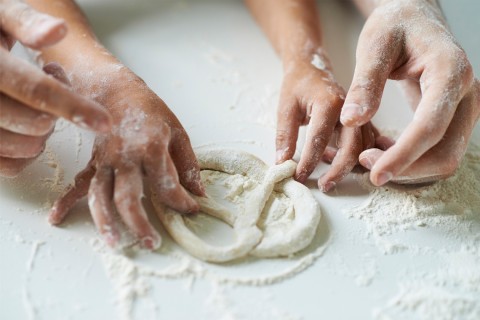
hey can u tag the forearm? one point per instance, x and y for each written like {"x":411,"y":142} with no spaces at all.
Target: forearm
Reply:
{"x":367,"y":6}
{"x":292,"y":27}
{"x":88,"y":64}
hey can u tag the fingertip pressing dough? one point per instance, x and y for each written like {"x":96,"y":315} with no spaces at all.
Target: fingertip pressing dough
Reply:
{"x":271,"y":214}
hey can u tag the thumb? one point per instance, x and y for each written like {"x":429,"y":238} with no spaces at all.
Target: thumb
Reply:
{"x":377,"y":53}
{"x":32,"y":28}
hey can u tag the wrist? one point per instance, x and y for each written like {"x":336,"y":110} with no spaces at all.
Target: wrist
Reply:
{"x":316,"y":58}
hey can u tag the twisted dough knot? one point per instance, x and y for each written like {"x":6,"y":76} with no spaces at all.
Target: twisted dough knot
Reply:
{"x":256,"y":234}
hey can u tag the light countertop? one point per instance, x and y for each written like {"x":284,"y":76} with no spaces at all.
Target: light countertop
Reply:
{"x":212,"y":65}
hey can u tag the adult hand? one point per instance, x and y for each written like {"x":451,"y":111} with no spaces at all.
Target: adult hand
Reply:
{"x":31,"y":99}
{"x":410,"y":41}
{"x":148,"y":141}
{"x":310,"y":95}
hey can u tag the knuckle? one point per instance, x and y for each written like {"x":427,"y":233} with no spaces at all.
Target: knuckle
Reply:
{"x":124,"y":199}
{"x":282,"y":136}
{"x":450,"y":165}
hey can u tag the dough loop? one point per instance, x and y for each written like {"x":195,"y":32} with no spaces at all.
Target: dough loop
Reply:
{"x":265,"y":225}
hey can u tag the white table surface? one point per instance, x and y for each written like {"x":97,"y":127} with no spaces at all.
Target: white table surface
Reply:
{"x":211,"y":64}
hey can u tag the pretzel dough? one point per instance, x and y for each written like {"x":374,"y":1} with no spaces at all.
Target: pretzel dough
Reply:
{"x":273,"y":215}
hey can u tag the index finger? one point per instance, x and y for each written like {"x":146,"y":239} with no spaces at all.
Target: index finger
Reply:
{"x":29,"y":85}
{"x":432,"y":119}
{"x":32,"y":28}
{"x":322,"y":123}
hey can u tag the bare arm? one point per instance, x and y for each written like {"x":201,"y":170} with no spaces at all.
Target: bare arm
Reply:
{"x":410,"y":41}
{"x":146,"y":140}
{"x":31,"y":99}
{"x":310,"y":94}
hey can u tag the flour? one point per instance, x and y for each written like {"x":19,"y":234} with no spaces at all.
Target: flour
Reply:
{"x":451,"y":204}
{"x":451,"y":208}
{"x":451,"y":292}
{"x":133,"y":279}
{"x":318,"y":62}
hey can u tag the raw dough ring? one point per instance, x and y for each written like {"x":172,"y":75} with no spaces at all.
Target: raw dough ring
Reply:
{"x":271,"y":242}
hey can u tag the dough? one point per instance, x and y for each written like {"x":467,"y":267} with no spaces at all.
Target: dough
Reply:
{"x":273,"y":215}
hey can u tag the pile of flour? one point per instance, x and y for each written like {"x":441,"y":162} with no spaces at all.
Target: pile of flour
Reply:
{"x":453,"y":204}
{"x":449,"y":209}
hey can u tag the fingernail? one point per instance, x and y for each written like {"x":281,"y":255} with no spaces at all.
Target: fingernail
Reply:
{"x":351,"y":112}
{"x":52,"y":217}
{"x":327,"y":186}
{"x":281,"y":155}
{"x":384,"y":177}
{"x":42,"y":28}
{"x":366,"y":163}
{"x":111,"y":240}
{"x":149,"y":242}
{"x":301,"y":177}
{"x":193,"y":207}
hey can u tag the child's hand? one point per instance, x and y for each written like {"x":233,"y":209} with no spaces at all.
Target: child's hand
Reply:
{"x":146,"y":141}
{"x":410,"y":41}
{"x":30,"y":100}
{"x":310,"y":95}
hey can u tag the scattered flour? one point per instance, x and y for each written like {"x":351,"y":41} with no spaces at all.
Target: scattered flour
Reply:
{"x":133,"y":279}
{"x":453,"y":204}
{"x":451,"y":292}
{"x":450,"y":208}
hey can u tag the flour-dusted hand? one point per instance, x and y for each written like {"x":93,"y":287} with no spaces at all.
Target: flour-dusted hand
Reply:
{"x":146,"y":141}
{"x":409,"y":40}
{"x":310,"y":95}
{"x":31,"y":99}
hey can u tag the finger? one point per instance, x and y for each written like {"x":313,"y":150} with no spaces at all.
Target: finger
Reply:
{"x":443,"y":159}
{"x":350,"y":145}
{"x":128,"y":200}
{"x":186,"y":163}
{"x":384,"y":142}
{"x":322,"y":123}
{"x":164,"y":181}
{"x":18,"y":118}
{"x":432,"y":118}
{"x":369,"y":157}
{"x":30,"y":27}
{"x":17,"y":146}
{"x":10,"y":168}
{"x":377,"y":53}
{"x":369,"y":134}
{"x":329,"y":154}
{"x":288,"y":123}
{"x":429,"y":168}
{"x":73,"y":194}
{"x":54,"y":69}
{"x":23,"y":82}
{"x":100,"y":196}
{"x":6,"y":41}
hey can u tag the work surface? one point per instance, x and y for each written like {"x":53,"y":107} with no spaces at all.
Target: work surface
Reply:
{"x":403,"y":254}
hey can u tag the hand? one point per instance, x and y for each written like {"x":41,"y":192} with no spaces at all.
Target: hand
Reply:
{"x":410,"y":41}
{"x":146,"y":140}
{"x":310,"y":95}
{"x":30,"y":100}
